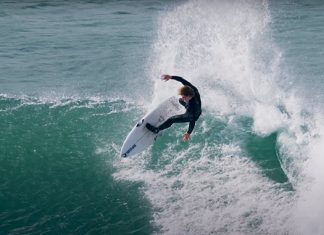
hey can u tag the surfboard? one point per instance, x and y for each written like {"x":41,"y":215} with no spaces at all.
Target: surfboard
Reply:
{"x":140,"y":138}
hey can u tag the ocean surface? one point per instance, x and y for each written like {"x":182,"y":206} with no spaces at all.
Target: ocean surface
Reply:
{"x":76,"y":76}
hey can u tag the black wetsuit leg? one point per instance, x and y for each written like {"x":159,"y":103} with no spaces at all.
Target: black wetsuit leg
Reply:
{"x":186,"y":117}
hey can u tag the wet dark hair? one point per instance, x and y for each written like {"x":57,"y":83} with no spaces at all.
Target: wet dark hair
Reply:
{"x":186,"y":91}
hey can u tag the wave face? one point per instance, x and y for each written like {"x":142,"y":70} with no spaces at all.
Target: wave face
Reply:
{"x":55,"y":176}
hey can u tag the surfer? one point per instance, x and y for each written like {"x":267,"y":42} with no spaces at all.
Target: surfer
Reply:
{"x":190,"y":99}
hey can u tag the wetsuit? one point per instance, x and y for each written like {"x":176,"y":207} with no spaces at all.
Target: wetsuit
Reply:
{"x":193,"y":109}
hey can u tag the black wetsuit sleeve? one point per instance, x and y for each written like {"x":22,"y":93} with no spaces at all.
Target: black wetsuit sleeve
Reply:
{"x":182,"y":102}
{"x":183,"y":81}
{"x":191,"y":126}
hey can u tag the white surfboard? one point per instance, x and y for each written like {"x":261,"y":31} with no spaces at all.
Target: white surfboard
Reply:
{"x":140,"y":137}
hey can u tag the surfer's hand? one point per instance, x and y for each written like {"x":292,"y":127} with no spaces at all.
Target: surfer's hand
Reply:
{"x":186,"y":137}
{"x":166,"y":77}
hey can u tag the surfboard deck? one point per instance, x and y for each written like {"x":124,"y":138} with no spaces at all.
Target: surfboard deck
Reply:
{"x":139,"y":138}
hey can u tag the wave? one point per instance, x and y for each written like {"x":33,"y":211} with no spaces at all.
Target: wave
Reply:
{"x":54,"y":165}
{"x":221,"y":182}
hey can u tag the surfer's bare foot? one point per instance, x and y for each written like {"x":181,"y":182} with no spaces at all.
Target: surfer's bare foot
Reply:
{"x":153,"y":129}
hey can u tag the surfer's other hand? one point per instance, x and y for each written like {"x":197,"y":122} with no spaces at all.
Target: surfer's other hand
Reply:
{"x":166,"y":77}
{"x":186,"y":137}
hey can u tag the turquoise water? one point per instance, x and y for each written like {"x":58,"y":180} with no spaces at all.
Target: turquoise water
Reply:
{"x":76,"y":76}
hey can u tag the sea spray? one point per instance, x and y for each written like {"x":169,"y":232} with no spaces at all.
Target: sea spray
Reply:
{"x":309,"y":210}
{"x":212,"y":185}
{"x":221,"y":181}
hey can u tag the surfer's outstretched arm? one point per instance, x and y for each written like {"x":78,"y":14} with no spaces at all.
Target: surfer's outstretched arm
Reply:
{"x":179,"y":79}
{"x":182,"y":80}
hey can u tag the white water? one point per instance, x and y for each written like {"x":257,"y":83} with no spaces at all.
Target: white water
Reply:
{"x":225,"y":49}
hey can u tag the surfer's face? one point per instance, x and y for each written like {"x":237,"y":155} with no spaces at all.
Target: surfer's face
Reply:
{"x":186,"y":98}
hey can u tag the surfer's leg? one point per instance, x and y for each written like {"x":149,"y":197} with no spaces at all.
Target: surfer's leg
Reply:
{"x":176,"y":119}
{"x":186,"y":117}
{"x":154,"y":129}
